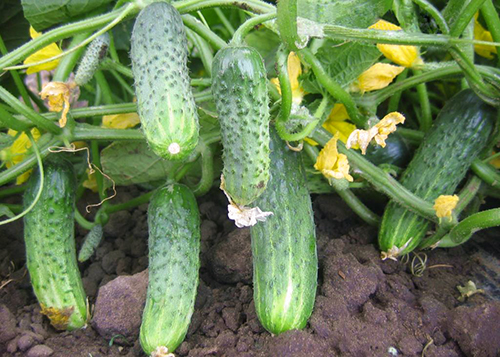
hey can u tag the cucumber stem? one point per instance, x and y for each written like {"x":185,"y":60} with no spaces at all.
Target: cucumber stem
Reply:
{"x":247,"y":26}
{"x":68,"y":63}
{"x":465,"y":17}
{"x":207,"y":170}
{"x":486,"y":172}
{"x":36,"y":118}
{"x":82,"y":221}
{"x":492,"y":20}
{"x":203,"y":31}
{"x":284,"y":81}
{"x":435,"y":14}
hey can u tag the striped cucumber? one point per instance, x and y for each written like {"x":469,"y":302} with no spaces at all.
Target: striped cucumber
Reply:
{"x":165,"y":102}
{"x":285,"y":262}
{"x":50,"y":246}
{"x":174,"y":248}
{"x":459,"y":133}
{"x":239,"y":89}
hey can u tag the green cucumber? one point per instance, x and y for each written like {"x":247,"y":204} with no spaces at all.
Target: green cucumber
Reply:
{"x":50,"y":246}
{"x":459,"y":133}
{"x":165,"y":102}
{"x":174,"y":248}
{"x":285,"y":263}
{"x":92,"y":240}
{"x":239,"y":88}
{"x":95,"y":53}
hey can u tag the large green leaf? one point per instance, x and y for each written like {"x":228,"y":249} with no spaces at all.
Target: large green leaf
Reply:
{"x":350,"y":13}
{"x":43,"y":14}
{"x":343,"y":62}
{"x":130,"y":163}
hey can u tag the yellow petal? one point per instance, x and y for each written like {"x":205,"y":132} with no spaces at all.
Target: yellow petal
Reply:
{"x":90,"y":182}
{"x":481,"y":34}
{"x":379,"y":132}
{"x":444,"y":205}
{"x":338,"y":113}
{"x":378,"y":76}
{"x":121,"y":121}
{"x":45,"y":53}
{"x":343,"y":128}
{"x":331,"y":163}
{"x":17,"y":152}
{"x":406,"y":56}
{"x":386,"y":126}
{"x":58,"y":94}
{"x":294,"y":71}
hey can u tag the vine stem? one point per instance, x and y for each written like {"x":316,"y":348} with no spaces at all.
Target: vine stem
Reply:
{"x":465,"y":17}
{"x":492,"y":20}
{"x":40,"y":188}
{"x":130,"y":8}
{"x":248,"y":25}
{"x":436,"y":15}
{"x":382,"y":181}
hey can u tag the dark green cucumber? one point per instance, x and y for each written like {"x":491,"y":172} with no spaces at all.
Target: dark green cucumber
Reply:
{"x":174,"y":248}
{"x":165,"y":102}
{"x":239,"y":88}
{"x":285,"y":262}
{"x":459,"y":133}
{"x":50,"y":246}
{"x":95,"y":53}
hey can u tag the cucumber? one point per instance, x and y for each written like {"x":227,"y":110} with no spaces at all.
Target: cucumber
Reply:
{"x":459,"y":133}
{"x":50,"y":246}
{"x":92,"y":240}
{"x":285,"y":263}
{"x":239,"y":88}
{"x":174,"y":248}
{"x":165,"y":102}
{"x":95,"y":53}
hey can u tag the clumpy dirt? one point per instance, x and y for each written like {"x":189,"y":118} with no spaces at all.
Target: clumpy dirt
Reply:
{"x":364,"y":306}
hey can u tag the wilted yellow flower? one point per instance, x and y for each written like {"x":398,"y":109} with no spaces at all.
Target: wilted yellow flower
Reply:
{"x":331,"y":163}
{"x":378,"y":76}
{"x":45,"y":53}
{"x":406,"y":56}
{"x":294,"y":71}
{"x":379,"y":132}
{"x":444,"y":205}
{"x":90,"y":182}
{"x":59,"y":94}
{"x":17,"y":151}
{"x":481,"y":34}
{"x":121,"y":121}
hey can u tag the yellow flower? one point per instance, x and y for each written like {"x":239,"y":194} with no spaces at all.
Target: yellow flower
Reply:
{"x":46,"y":52}
{"x":337,"y":123}
{"x":481,"y":34}
{"x":379,"y":132}
{"x":17,"y":151}
{"x":90,"y":182}
{"x":331,"y":163}
{"x":120,"y":121}
{"x":294,"y":71}
{"x":59,"y":94}
{"x":406,"y":56}
{"x":444,"y":205}
{"x":378,"y":76}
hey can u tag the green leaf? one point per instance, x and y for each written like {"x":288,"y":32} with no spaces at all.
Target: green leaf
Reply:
{"x":343,"y":62}
{"x":5,"y":140}
{"x":43,"y":14}
{"x":350,"y":13}
{"x":266,"y":42}
{"x":130,"y":163}
{"x":5,"y":211}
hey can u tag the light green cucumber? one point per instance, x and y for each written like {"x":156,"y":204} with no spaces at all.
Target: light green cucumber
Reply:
{"x":239,"y":88}
{"x":285,"y":262}
{"x":95,"y":53}
{"x":165,"y":101}
{"x":50,"y":246}
{"x":174,"y":248}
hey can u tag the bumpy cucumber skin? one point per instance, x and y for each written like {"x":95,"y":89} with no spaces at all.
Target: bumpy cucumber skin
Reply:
{"x":165,"y":101}
{"x":95,"y":53}
{"x":285,"y":263}
{"x":459,"y":133}
{"x":50,"y":245}
{"x":92,"y":240}
{"x":174,"y":248}
{"x":239,"y":89}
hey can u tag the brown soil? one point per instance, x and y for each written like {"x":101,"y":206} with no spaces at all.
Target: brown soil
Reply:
{"x":364,"y":306}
